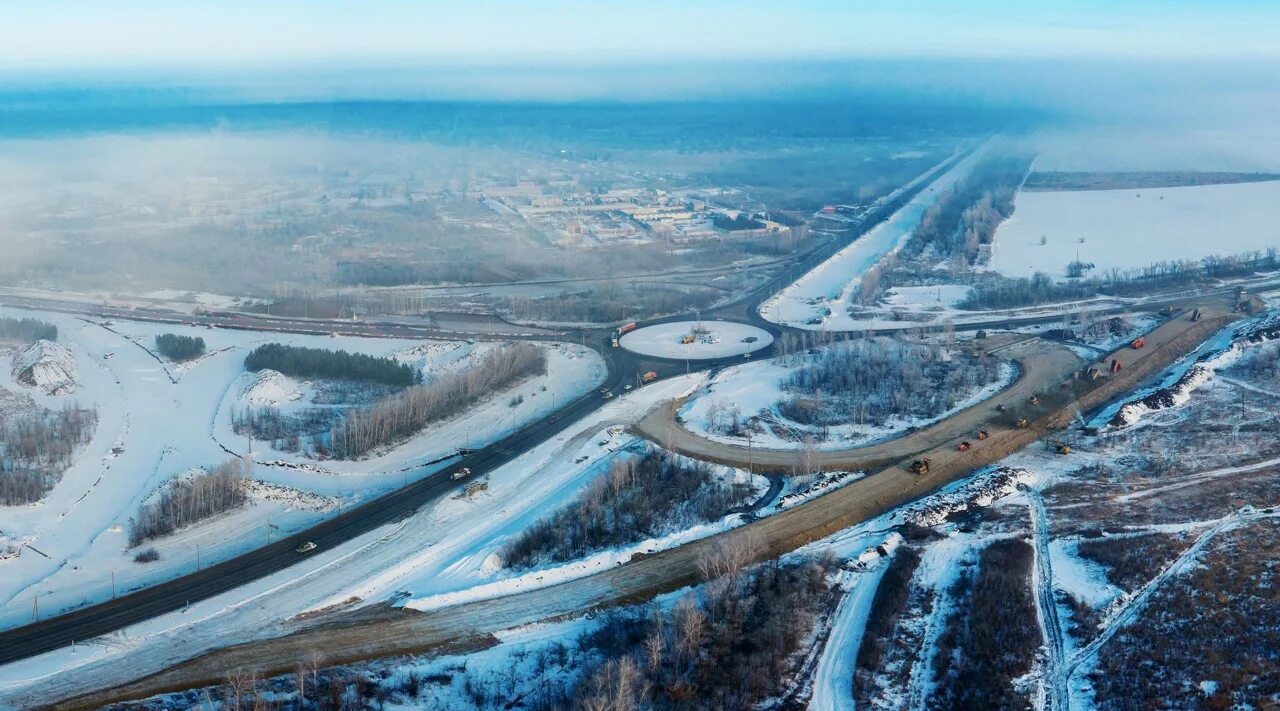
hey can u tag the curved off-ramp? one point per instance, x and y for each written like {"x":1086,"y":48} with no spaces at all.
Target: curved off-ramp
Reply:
{"x":1042,"y":364}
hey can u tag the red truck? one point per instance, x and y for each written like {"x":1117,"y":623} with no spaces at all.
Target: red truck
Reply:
{"x":623,"y":329}
{"x":649,"y":377}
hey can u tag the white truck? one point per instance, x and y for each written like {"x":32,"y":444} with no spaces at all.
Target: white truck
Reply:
{"x":462,"y":473}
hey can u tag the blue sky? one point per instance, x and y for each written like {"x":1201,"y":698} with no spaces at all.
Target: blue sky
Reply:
{"x":100,"y":33}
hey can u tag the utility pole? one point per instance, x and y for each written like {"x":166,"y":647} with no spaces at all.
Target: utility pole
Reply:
{"x":35,"y":607}
{"x":197,"y":557}
{"x":113,"y":585}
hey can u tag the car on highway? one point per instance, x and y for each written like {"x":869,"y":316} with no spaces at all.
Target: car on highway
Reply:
{"x":305,"y":548}
{"x":608,"y":395}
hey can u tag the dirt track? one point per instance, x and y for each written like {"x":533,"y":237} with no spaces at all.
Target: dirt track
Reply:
{"x":382,"y":632}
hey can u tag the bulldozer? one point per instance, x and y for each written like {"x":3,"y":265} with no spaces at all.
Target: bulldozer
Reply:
{"x":1035,"y":400}
{"x":1022,"y":423}
{"x":920,"y":466}
{"x":983,"y":434}
{"x":1059,"y":446}
{"x":964,"y":446}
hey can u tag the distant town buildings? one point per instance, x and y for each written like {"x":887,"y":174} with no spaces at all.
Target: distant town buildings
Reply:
{"x":570,"y":214}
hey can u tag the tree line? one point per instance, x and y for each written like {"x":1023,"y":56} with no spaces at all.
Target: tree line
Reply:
{"x":1040,"y":288}
{"x":179,"y":348}
{"x":27,"y":330}
{"x":964,"y":218}
{"x":35,"y":448}
{"x":405,"y":413}
{"x":302,"y":362}
{"x":626,"y":506}
{"x":188,"y":500}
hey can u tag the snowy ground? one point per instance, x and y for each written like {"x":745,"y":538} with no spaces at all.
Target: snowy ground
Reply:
{"x":446,"y":548}
{"x":753,"y":390}
{"x":1127,"y":229}
{"x":719,"y":340}
{"x":159,"y":420}
{"x":832,"y":285}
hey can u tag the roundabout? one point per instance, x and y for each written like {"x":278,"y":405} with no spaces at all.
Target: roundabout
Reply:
{"x":696,"y":340}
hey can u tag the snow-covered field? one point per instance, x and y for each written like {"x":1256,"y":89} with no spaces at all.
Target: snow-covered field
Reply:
{"x":159,"y":420}
{"x":718,"y":339}
{"x":833,"y":284}
{"x":1127,"y":229}
{"x":444,"y":549}
{"x":753,"y":390}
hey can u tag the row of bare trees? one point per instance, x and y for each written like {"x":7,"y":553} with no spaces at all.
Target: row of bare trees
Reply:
{"x":402,"y":414}
{"x":188,"y":500}
{"x":37,"y":446}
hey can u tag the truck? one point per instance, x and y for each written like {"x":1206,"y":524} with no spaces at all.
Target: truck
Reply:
{"x":1138,"y":342}
{"x":621,"y":330}
{"x":462,"y":473}
{"x":649,"y":377}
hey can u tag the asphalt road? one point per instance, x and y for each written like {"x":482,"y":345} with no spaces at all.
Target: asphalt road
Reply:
{"x":382,"y":632}
{"x":623,"y":367}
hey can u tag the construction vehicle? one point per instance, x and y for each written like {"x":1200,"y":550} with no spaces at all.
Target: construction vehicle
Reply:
{"x":1058,"y":446}
{"x":686,"y":339}
{"x":462,"y":473}
{"x":1196,"y":315}
{"x":964,"y":446}
{"x":1022,"y":423}
{"x":983,"y":434}
{"x":1035,"y":400}
{"x":1115,"y":365}
{"x":1002,"y":407}
{"x":920,"y":466}
{"x":649,"y":377}
{"x":1138,"y":342}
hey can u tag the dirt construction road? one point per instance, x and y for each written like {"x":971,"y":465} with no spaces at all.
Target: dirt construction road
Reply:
{"x":382,"y":632}
{"x":1043,"y":366}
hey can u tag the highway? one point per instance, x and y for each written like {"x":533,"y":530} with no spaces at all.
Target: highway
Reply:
{"x":623,"y":367}
{"x":381,"y":631}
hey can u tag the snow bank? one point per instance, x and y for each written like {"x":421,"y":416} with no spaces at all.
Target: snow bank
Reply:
{"x":1178,"y":392}
{"x":978,"y":492}
{"x":270,"y":388}
{"x":47,"y":366}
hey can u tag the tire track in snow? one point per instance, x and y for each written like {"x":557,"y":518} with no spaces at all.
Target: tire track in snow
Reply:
{"x":1054,"y":686}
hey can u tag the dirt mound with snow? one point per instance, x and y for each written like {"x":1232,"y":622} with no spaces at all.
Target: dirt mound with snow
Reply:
{"x":47,"y":366}
{"x":270,"y":388}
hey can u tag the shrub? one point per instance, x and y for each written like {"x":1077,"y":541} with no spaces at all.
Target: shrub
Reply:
{"x":149,"y":555}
